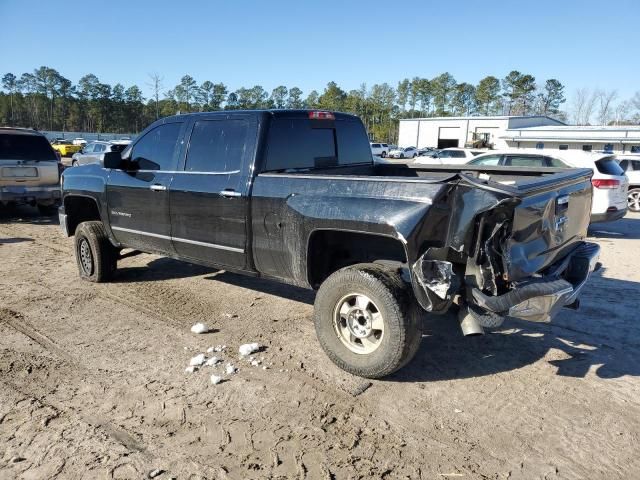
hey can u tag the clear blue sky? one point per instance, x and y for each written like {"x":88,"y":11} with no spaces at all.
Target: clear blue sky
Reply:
{"x":309,"y":43}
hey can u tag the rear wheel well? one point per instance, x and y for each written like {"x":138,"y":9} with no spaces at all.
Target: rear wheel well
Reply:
{"x":78,"y":210}
{"x":331,"y":250}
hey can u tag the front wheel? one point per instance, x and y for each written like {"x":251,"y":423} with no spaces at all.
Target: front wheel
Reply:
{"x":383,"y":154}
{"x":633,"y":199}
{"x":367,"y":321}
{"x":95,"y":255}
{"x":402,"y":155}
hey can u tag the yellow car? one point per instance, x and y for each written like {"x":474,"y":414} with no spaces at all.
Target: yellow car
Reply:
{"x":65,"y":147}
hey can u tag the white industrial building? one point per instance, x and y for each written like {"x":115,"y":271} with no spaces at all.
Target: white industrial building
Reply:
{"x":516,"y":132}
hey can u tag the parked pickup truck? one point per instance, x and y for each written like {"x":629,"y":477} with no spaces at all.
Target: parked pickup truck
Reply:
{"x":295,"y":196}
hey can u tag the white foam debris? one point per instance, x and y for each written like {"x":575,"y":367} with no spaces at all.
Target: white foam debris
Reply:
{"x":197,"y":360}
{"x":230,"y":369}
{"x":255,"y":363}
{"x":252,"y":358}
{"x":248,"y":348}
{"x":211,"y":349}
{"x":199,"y":328}
{"x":190,"y":369}
{"x":213,"y":361}
{"x":265,"y":367}
{"x":215,"y":379}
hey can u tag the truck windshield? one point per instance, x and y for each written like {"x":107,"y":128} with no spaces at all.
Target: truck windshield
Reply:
{"x":25,"y":147}
{"x":298,"y":143}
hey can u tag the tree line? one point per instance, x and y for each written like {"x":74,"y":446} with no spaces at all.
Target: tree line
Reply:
{"x":46,"y":100}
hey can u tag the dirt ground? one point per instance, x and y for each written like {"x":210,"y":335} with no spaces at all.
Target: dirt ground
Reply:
{"x":93,"y":382}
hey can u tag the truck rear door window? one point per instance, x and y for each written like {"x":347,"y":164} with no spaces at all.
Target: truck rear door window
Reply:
{"x":216,"y":146}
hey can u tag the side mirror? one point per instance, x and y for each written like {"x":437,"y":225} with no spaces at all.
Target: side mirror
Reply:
{"x":112,"y":160}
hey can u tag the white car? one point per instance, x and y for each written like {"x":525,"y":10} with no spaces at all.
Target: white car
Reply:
{"x":449,"y":156}
{"x":406,"y":152}
{"x":631,"y":166}
{"x":380,"y":149}
{"x":79,"y":141}
{"x":609,"y":181}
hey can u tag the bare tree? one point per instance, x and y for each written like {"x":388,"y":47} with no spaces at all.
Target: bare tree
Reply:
{"x":582,"y":106}
{"x":155,"y":83}
{"x":605,"y":104}
{"x":621,"y":112}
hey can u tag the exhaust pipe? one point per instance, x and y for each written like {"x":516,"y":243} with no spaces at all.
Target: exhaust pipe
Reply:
{"x":468,"y":323}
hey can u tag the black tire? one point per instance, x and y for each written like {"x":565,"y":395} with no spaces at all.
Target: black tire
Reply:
{"x":633,"y":195}
{"x":383,"y":154}
{"x":402,"y":155}
{"x":74,"y":163}
{"x":96,"y":257}
{"x":392,"y":298}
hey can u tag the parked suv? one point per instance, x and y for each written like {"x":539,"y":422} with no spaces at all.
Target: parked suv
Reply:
{"x":380,"y":149}
{"x":609,"y":181}
{"x":94,"y":151}
{"x":631,"y":167}
{"x":29,"y":170}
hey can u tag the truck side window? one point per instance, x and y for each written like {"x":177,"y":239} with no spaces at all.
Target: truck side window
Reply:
{"x":216,"y":146}
{"x":155,"y":150}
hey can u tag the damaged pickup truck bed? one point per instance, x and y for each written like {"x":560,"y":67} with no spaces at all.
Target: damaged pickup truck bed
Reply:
{"x":295,"y":196}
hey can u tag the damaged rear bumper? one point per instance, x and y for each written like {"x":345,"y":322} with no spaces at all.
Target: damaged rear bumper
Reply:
{"x":536,"y":299}
{"x":540,"y":299}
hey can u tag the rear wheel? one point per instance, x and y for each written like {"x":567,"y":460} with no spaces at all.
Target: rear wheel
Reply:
{"x":74,"y":163}
{"x":367,"y":321}
{"x":633,"y":199}
{"x":402,"y":155}
{"x":383,"y":154}
{"x":95,"y":255}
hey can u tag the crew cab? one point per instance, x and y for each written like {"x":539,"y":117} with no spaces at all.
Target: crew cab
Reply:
{"x":294,"y":196}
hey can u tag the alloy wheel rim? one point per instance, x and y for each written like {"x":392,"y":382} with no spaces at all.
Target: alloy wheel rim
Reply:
{"x":358,"y":323}
{"x":86,"y":258}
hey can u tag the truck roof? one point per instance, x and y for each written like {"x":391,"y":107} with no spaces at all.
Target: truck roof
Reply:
{"x":302,"y":113}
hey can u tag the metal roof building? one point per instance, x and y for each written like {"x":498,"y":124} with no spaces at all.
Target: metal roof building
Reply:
{"x":533,"y":131}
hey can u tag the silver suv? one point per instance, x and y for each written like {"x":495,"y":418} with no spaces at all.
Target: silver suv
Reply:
{"x":29,"y":170}
{"x":94,"y":152}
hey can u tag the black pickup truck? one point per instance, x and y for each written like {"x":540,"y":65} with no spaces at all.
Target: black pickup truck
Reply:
{"x":295,"y":196}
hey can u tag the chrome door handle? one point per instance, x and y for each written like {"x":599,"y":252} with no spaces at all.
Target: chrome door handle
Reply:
{"x":230,"y":193}
{"x":158,"y":188}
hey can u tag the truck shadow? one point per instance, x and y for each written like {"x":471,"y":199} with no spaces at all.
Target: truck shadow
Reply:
{"x":602,"y":337}
{"x":167,"y":268}
{"x":627,"y":227}
{"x":269,"y":287}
